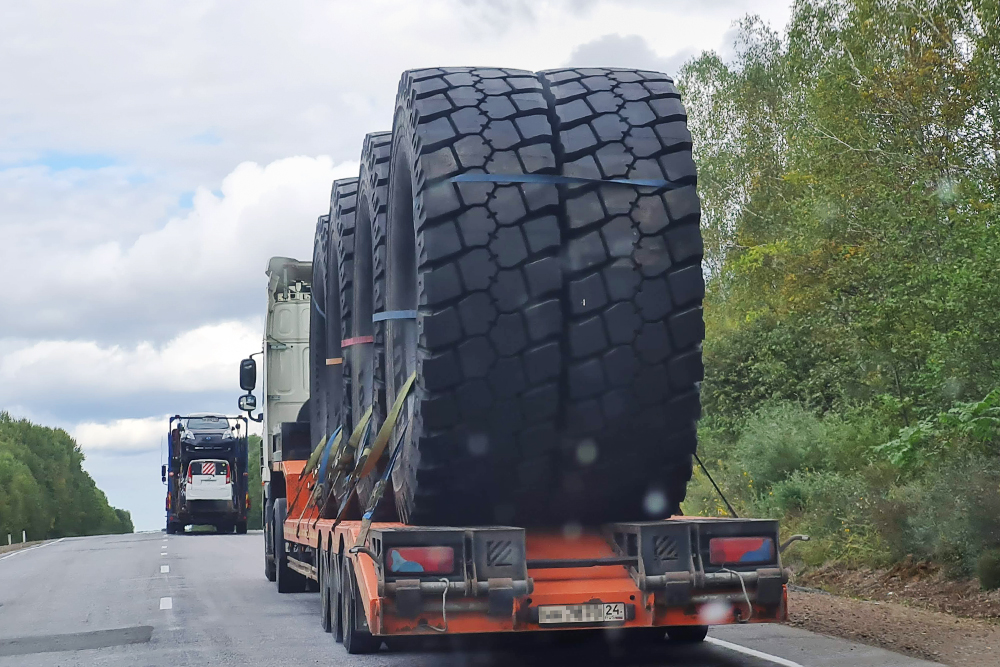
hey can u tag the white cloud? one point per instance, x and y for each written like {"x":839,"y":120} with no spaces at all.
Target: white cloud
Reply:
{"x":627,"y":51}
{"x":205,"y":264}
{"x":197,"y":370}
{"x":122,"y":435}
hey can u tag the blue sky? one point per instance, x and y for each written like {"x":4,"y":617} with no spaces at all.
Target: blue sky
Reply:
{"x":154,"y":155}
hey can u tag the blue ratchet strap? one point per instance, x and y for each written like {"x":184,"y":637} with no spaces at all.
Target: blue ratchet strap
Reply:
{"x":553,"y":179}
{"x":394,"y":315}
{"x":326,"y":455}
{"x":318,"y":309}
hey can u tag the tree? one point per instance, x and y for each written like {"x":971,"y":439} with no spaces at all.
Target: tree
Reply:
{"x":44,"y":489}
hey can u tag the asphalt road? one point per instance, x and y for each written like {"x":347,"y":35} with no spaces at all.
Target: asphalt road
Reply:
{"x":202,"y":599}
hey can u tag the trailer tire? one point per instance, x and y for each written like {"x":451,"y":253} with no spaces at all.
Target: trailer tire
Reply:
{"x":269,"y":568}
{"x":367,"y":375}
{"x":357,"y":640}
{"x":288,"y":580}
{"x":325,"y":617}
{"x":478,"y":262}
{"x":634,"y":288}
{"x":241,"y":527}
{"x":687,"y":634}
{"x":336,"y":602}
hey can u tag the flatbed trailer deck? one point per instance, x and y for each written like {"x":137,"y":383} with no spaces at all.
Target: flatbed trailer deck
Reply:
{"x":673,"y":574}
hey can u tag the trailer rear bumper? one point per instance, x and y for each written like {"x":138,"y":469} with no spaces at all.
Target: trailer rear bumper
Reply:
{"x":679,"y":572}
{"x":471,"y":615}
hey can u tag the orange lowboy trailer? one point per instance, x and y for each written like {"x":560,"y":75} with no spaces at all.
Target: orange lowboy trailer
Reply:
{"x":678,"y":575}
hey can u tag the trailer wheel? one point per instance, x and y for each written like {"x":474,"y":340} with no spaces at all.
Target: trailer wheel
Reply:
{"x":356,"y":639}
{"x":323,"y":567}
{"x":633,"y":294}
{"x":241,"y":527}
{"x":479,"y":264}
{"x":289,"y":581}
{"x":269,"y":569}
{"x":336,"y":598}
{"x":688,"y":634}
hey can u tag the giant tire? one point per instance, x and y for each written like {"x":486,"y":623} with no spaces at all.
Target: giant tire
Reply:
{"x":319,"y":387}
{"x":634,"y":287}
{"x":479,"y":263}
{"x":343,"y":205}
{"x":367,"y":379}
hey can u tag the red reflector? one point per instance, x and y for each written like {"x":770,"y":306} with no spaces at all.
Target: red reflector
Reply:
{"x":421,"y":560}
{"x":741,"y":550}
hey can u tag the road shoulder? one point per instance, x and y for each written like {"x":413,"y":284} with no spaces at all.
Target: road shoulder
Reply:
{"x":931,"y":635}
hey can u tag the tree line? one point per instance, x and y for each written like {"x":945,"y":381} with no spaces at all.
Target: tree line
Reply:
{"x":849,"y":176}
{"x":44,"y":490}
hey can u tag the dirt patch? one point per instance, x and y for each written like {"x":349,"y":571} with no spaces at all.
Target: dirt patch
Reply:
{"x":931,"y":635}
{"x":915,"y":584}
{"x":7,"y":548}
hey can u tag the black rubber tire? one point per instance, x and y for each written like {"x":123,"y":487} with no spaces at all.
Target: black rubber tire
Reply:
{"x":343,"y":208}
{"x":288,"y":580}
{"x":269,"y":569}
{"x":367,"y":380}
{"x":319,"y":323}
{"x":322,"y":566}
{"x":634,"y":288}
{"x":336,"y":601}
{"x":357,"y":640}
{"x":479,"y":262}
{"x":687,"y":634}
{"x":241,"y":527}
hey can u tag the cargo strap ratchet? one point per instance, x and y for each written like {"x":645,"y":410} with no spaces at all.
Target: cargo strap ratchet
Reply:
{"x":319,"y":457}
{"x":344,"y":458}
{"x":369,"y":457}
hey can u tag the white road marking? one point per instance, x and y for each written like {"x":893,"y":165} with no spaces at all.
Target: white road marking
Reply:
{"x":749,"y":651}
{"x":164,"y":553}
{"x":38,"y":546}
{"x":164,"y":569}
{"x":166,"y":603}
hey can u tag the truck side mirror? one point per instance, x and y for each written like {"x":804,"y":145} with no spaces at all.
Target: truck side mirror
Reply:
{"x":248,"y":374}
{"x":248,"y":402}
{"x":163,"y":472}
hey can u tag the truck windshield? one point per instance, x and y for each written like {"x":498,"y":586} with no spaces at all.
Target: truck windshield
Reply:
{"x":208,"y":424}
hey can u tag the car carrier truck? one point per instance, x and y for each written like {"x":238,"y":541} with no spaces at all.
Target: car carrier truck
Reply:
{"x":503,"y":365}
{"x":206,"y":473}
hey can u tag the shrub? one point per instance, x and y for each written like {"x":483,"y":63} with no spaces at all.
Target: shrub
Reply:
{"x":988,"y":569}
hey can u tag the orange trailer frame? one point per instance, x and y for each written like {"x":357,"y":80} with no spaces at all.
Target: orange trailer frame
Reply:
{"x":561,"y":569}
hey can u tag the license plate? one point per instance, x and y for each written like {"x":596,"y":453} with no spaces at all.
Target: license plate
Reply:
{"x":592,"y":612}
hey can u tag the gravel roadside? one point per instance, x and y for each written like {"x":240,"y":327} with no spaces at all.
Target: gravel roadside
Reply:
{"x":932,"y":635}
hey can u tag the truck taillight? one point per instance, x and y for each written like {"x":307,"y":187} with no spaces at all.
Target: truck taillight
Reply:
{"x":741,"y":550}
{"x":421,"y":560}
{"x":229,"y":475}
